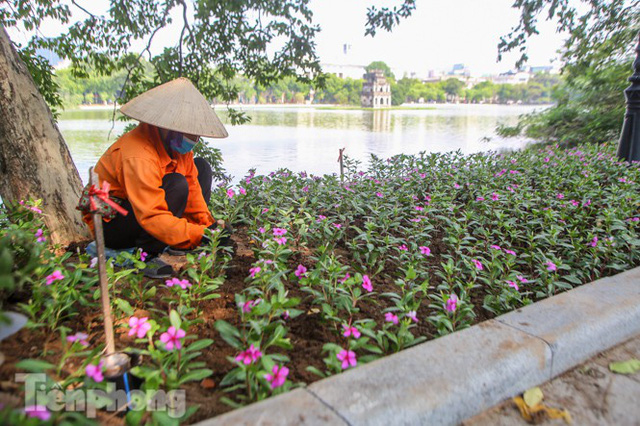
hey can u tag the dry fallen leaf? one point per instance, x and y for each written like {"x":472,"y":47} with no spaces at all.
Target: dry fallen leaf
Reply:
{"x":538,"y":413}
{"x":533,"y":397}
{"x":208,"y":384}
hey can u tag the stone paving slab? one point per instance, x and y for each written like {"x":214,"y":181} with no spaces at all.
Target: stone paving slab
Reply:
{"x":297,"y":407}
{"x":584,"y":321}
{"x":441,"y":382}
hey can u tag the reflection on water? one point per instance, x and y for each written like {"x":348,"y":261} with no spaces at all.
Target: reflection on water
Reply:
{"x":309,"y":139}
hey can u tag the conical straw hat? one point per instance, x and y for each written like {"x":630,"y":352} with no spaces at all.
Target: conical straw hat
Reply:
{"x":176,"y":105}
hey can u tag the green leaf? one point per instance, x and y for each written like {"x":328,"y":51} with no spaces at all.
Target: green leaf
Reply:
{"x":34,"y":365}
{"x":200,"y":344}
{"x":174,"y":317}
{"x":196,"y":375}
{"x":625,"y":367}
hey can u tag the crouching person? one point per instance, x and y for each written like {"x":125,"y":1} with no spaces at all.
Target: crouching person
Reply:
{"x":152,"y":174}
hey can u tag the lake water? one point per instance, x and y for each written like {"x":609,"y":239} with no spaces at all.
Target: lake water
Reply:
{"x":308,"y":139}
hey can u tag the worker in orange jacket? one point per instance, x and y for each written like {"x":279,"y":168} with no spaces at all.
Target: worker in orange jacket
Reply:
{"x":153,"y":175}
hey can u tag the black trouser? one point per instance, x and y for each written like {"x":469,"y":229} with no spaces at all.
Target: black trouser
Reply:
{"x":125,"y":231}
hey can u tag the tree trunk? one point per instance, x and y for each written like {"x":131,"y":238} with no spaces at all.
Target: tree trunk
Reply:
{"x":34,"y":158}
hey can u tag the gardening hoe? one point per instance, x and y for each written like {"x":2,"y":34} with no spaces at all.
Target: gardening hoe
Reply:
{"x":116,"y":364}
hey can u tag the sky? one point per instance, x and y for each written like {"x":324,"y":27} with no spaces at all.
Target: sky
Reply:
{"x":439,"y":34}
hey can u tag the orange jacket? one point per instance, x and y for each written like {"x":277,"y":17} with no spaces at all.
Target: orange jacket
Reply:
{"x":134,"y":167}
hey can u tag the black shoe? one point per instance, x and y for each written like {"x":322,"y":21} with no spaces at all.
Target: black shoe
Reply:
{"x":178,"y":252}
{"x":157,"y":268}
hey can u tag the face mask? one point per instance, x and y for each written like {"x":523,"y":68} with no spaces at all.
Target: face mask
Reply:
{"x":180,"y":143}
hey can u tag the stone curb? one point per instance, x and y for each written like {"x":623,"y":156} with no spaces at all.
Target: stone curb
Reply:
{"x":447,"y":380}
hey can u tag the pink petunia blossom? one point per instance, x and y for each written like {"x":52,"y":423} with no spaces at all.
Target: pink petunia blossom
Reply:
{"x":560,"y":196}
{"x":337,"y":225}
{"x":348,"y":358}
{"x":478,"y":264}
{"x":80,"y":338}
{"x":379,"y":194}
{"x":230,"y":193}
{"x":172,"y":337}
{"x":139,"y":326}
{"x":249,"y":356}
{"x":403,"y":247}
{"x":456,"y":186}
{"x":184,"y":284}
{"x":40,"y":236}
{"x":279,"y":232}
{"x":253,"y":271}
{"x":351,"y":331}
{"x":513,"y":285}
{"x":242,"y":191}
{"x":366,"y":283}
{"x":300,"y":271}
{"x":419,"y":208}
{"x":425,"y":250}
{"x":95,"y":372}
{"x":262,"y":230}
{"x":278,"y":377}
{"x":412,"y":315}
{"x":55,"y":276}
{"x":550,"y":266}
{"x":495,"y":197}
{"x":594,"y":242}
{"x":281,"y":241}
{"x":38,"y":412}
{"x":391,"y":317}
{"x":452,"y":303}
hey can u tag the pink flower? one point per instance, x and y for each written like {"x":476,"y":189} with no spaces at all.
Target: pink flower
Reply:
{"x":586,"y":203}
{"x":425,"y":250}
{"x":550,"y":266}
{"x":366,"y":283}
{"x":40,"y":237}
{"x":478,"y":264}
{"x":403,"y":247}
{"x":456,"y":186}
{"x":495,"y":196}
{"x":513,"y":285}
{"x":622,"y":180}
{"x":300,"y":271}
{"x":412,"y":315}
{"x":172,"y":337}
{"x":35,"y":209}
{"x":253,"y":271}
{"x":184,"y":284}
{"x":38,"y":412}
{"x":243,"y":191}
{"x":95,"y":372}
{"x":511,"y":252}
{"x":495,"y":247}
{"x":547,"y":159}
{"x":522,"y":279}
{"x":262,"y":230}
{"x":278,"y":377}
{"x":379,"y":194}
{"x":249,"y":356}
{"x":94,"y":262}
{"x":351,"y":331}
{"x":246,"y":306}
{"x":281,"y":241}
{"x":321,"y":217}
{"x":56,"y":276}
{"x":594,"y":242}
{"x":139,"y":326}
{"x":560,"y":196}
{"x":346,"y":277}
{"x":391,"y":317}
{"x":419,"y":208}
{"x":80,"y":338}
{"x":230,"y":193}
{"x":348,"y":358}
{"x":304,"y":189}
{"x":415,"y":219}
{"x":143,"y":255}
{"x":278,"y":232}
{"x":264,"y":210}
{"x":337,"y":225}
{"x":479,"y":198}
{"x":452,"y":303}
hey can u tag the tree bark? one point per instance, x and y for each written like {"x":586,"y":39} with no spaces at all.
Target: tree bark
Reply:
{"x":34,"y":158}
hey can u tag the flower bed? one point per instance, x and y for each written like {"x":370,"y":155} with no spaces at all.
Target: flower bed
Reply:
{"x":327,"y":275}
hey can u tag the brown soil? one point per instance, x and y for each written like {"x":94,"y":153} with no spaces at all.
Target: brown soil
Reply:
{"x":308,"y":332}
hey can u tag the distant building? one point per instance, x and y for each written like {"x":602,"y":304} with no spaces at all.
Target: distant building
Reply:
{"x":512,"y":77}
{"x":344,"y":71}
{"x":376,"y":91}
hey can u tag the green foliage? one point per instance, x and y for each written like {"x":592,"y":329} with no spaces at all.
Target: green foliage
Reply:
{"x":382,"y":66}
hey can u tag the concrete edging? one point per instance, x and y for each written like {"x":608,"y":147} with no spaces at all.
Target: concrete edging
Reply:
{"x":447,"y":380}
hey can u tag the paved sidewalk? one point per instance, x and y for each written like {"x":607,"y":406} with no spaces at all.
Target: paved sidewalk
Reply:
{"x":591,"y":393}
